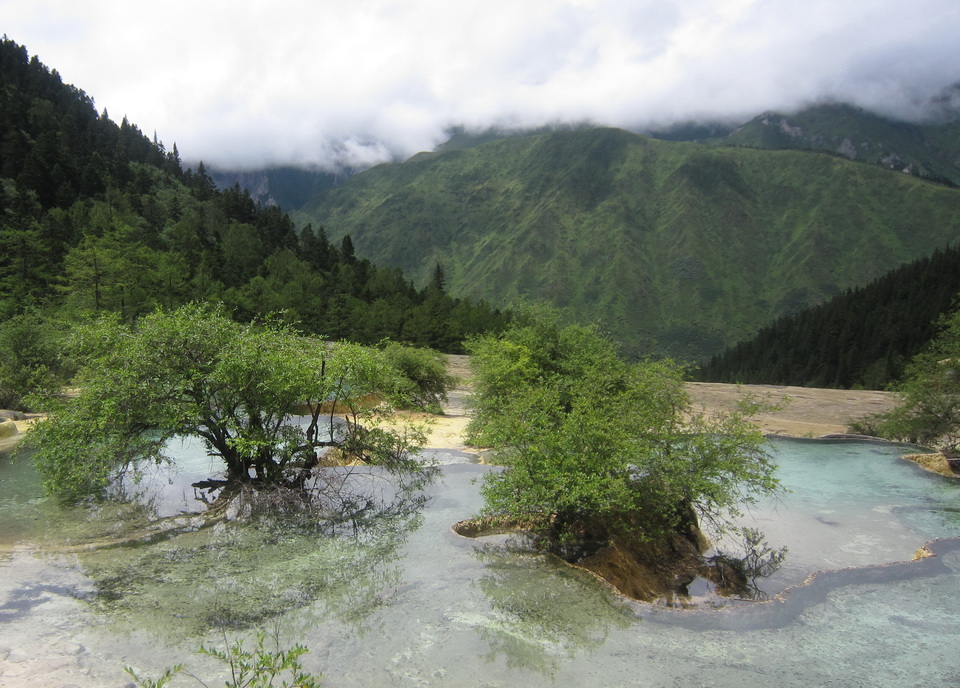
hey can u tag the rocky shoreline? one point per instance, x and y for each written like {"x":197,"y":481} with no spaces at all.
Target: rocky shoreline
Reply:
{"x":935,"y":463}
{"x":13,"y":427}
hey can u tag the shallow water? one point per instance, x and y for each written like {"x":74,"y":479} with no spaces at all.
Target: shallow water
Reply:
{"x":412,"y":604}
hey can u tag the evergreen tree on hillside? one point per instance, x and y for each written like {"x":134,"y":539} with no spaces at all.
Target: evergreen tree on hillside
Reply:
{"x":97,"y":217}
{"x":439,"y":280}
{"x":861,"y":338}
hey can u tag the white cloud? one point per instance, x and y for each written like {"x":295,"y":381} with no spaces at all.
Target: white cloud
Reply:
{"x":244,"y":83}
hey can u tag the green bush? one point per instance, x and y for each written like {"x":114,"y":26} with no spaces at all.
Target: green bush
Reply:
{"x":929,"y":394}
{"x":31,"y":367}
{"x":596,"y":448}
{"x":424,"y":371}
{"x":193,"y":371}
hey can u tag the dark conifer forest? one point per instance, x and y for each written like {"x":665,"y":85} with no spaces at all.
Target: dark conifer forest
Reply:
{"x":96,"y":216}
{"x":861,"y":338}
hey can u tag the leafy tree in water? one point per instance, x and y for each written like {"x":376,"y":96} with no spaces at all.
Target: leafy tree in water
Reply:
{"x":929,"y":393}
{"x":195,"y":372}
{"x":596,"y":448}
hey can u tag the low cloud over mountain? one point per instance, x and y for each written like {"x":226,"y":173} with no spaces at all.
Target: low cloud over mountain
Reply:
{"x":354,"y":83}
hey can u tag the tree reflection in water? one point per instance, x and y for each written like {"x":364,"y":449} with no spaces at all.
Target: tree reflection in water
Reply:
{"x":240,"y":574}
{"x":544,"y":610}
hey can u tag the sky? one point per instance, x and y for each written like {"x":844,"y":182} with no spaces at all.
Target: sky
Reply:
{"x":329,"y":83}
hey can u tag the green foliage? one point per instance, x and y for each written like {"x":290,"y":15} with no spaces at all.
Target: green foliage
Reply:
{"x":193,"y":371}
{"x":674,"y":248}
{"x":30,"y":363}
{"x":261,"y":667}
{"x":166,"y":679}
{"x":426,"y":380}
{"x":595,"y":447}
{"x":929,"y":395}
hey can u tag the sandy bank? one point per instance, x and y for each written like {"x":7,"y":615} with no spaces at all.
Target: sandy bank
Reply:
{"x":805,"y":412}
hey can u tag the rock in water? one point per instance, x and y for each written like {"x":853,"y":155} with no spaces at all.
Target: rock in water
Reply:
{"x":8,"y":428}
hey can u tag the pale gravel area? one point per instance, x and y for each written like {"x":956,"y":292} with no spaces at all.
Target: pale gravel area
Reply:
{"x":804,"y":412}
{"x":449,"y":430}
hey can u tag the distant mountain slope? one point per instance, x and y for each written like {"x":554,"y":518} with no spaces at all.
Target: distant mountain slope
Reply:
{"x":675,"y":248}
{"x":286,"y":187}
{"x":931,"y":151}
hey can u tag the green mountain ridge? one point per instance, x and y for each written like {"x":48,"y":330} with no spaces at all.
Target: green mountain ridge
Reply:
{"x":675,"y":248}
{"x":931,"y":151}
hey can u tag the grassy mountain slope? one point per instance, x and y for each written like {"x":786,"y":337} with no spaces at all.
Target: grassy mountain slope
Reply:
{"x":675,"y":248}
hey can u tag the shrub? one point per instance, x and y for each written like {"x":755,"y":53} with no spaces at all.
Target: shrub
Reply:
{"x":426,"y":380}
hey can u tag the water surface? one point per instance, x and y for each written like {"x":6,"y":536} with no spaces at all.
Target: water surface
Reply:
{"x":410,"y":603}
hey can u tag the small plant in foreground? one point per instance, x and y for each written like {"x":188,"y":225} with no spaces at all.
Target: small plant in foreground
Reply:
{"x":257,"y":668}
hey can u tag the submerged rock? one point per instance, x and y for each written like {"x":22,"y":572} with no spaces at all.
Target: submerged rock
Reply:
{"x":936,"y":463}
{"x":8,"y":428}
{"x":648,"y":570}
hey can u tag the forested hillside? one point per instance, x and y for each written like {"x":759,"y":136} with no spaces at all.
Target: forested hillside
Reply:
{"x":674,"y":248}
{"x":863,"y":337}
{"x":96,"y":216}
